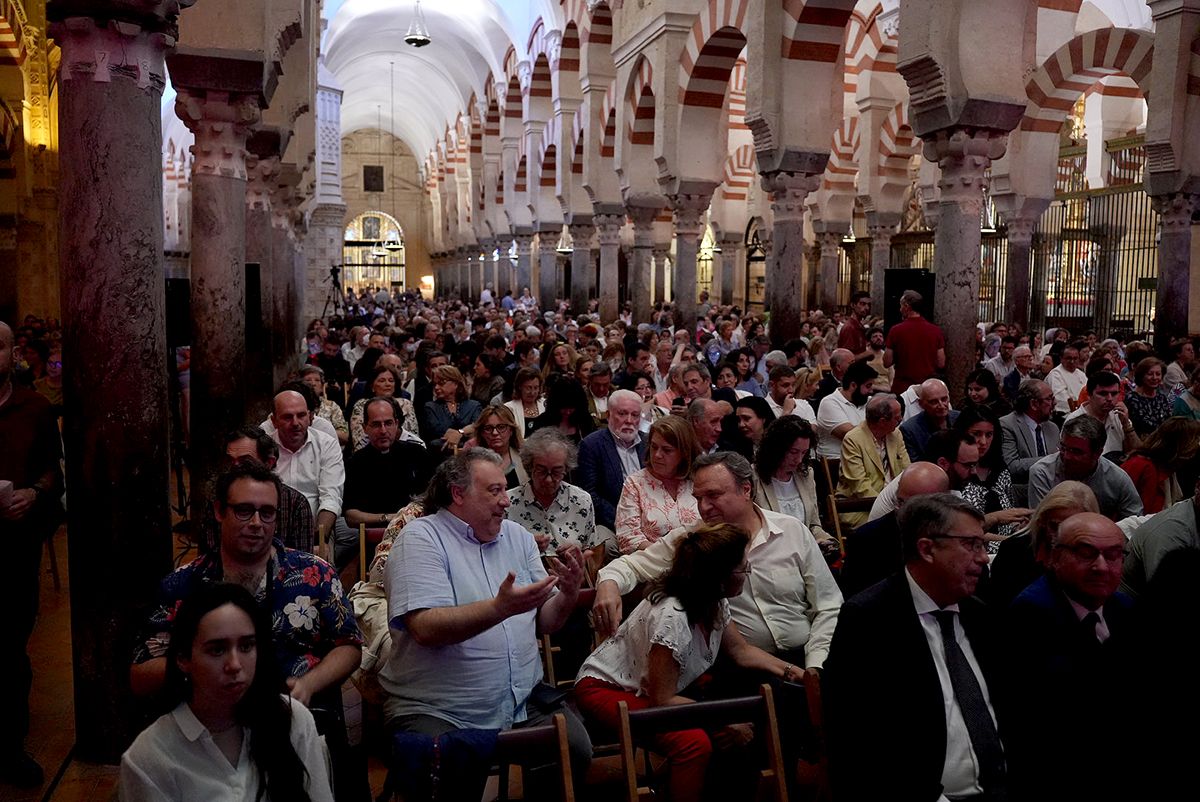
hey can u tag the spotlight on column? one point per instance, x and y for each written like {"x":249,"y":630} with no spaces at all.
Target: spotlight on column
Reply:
{"x":418,"y":33}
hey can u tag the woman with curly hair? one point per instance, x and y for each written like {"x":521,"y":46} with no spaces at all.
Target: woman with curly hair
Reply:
{"x":786,"y":481}
{"x":1149,"y":404}
{"x":231,"y":727}
{"x":669,"y":640}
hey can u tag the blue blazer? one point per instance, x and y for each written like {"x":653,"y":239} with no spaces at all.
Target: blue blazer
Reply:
{"x":600,"y":474}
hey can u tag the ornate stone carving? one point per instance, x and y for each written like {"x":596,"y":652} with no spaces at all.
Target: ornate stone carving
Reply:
{"x":1020,"y":229}
{"x":642,"y":218}
{"x":1175,"y":210}
{"x":221,"y":123}
{"x":260,"y":177}
{"x":788,"y":193}
{"x":963,"y":157}
{"x":524,"y":244}
{"x":119,"y":50}
{"x":830,"y":243}
{"x":583,"y":236}
{"x":608,"y":228}
{"x":689,"y":213}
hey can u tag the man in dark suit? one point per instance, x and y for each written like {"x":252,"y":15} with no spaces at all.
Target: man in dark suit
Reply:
{"x":607,"y":456}
{"x":1020,"y":428}
{"x":907,"y":680}
{"x":1065,"y":647}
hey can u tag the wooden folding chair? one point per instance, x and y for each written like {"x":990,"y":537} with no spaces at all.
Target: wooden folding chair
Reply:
{"x":813,"y":775}
{"x":542,"y":745}
{"x":367,"y":538}
{"x":638,"y":726}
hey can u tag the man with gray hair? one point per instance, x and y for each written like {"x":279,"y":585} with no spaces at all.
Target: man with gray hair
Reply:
{"x":1079,"y":458}
{"x":468,"y":597}
{"x":790,"y":605}
{"x":607,"y":456}
{"x":936,"y":415}
{"x":705,"y":416}
{"x":839,"y":361}
{"x":1022,"y":370}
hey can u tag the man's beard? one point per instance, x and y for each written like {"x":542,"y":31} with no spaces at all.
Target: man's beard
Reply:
{"x":859,"y":398}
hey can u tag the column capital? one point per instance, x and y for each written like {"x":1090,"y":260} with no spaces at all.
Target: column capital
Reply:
{"x":661,"y":251}
{"x":524,"y":241}
{"x":102,"y":50}
{"x":642,"y":218}
{"x":882,"y":224}
{"x":689,"y":211}
{"x":608,"y":228}
{"x":221,"y":123}
{"x":548,"y":243}
{"x":963,"y":156}
{"x":788,"y":192}
{"x":830,"y":243}
{"x":261,"y":175}
{"x":1020,"y":229}
{"x":1175,"y":209}
{"x":582,"y":235}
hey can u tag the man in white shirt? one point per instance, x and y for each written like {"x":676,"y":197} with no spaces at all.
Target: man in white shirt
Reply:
{"x":1103,"y":404}
{"x":1066,"y":380}
{"x":1003,"y":363}
{"x":843,"y":409}
{"x":311,"y":462}
{"x":937,"y":739}
{"x":780,"y":399}
{"x":790,"y":604}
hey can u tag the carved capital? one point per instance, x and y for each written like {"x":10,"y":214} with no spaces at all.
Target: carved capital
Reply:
{"x":548,"y":243}
{"x":1020,"y":229}
{"x":524,"y":241}
{"x":642,"y":218}
{"x":608,"y":228}
{"x":1175,"y":210}
{"x":963,"y":156}
{"x":882,"y":225}
{"x":106,"y":51}
{"x":582,"y":235}
{"x":788,"y":193}
{"x":830,"y":243}
{"x":221,"y":123}
{"x":689,"y":211}
{"x":661,"y":253}
{"x":261,"y":175}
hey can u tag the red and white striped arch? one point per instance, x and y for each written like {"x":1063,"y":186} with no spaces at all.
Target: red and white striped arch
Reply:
{"x":740,"y":172}
{"x":814,"y":30}
{"x":897,"y":145}
{"x":737,"y":96}
{"x":568,"y":53}
{"x":640,"y":104}
{"x":708,"y":30}
{"x":12,"y":32}
{"x":595,"y":26}
{"x":1075,"y":67}
{"x":608,"y":122}
{"x":842,"y":168}
{"x":867,"y":47}
{"x":549,"y":140}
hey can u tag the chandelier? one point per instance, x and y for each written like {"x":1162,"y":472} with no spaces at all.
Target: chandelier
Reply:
{"x":418,"y":32}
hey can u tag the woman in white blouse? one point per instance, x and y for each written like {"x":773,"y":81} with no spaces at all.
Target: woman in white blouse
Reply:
{"x":232,"y":737}
{"x":785,"y":475}
{"x":658,"y":498}
{"x":527,"y":402}
{"x":669,"y":640}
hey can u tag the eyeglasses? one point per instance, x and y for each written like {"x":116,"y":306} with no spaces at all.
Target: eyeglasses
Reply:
{"x":55,"y":364}
{"x":971,"y":542}
{"x":495,"y":428}
{"x":542,"y":472}
{"x":1086,"y":552}
{"x":244,"y":512}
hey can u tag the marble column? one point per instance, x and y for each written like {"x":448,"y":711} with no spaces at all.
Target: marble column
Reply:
{"x":1020,"y":244}
{"x":116,"y":419}
{"x":1174,"y":266}
{"x":784,"y":291}
{"x":608,"y":232}
{"x":963,"y":157}
{"x":323,"y":250}
{"x":548,"y":268}
{"x":830,"y":241}
{"x":1107,"y":238}
{"x":660,"y":257}
{"x":733,"y":252}
{"x":881,"y":226}
{"x":583,"y":239}
{"x":283,"y":269}
{"x":524,"y":239}
{"x":689,"y":228}
{"x":262,"y":169}
{"x":641,"y":266}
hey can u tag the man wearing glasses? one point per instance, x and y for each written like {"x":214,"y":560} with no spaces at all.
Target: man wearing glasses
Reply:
{"x":1026,"y":433}
{"x":1068,"y":629}
{"x":384,"y":475}
{"x":926,"y":727}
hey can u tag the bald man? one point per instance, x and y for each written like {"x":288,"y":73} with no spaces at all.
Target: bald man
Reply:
{"x":874,"y":551}
{"x":840,"y":360}
{"x":1066,"y":636}
{"x":936,"y":415}
{"x":309,"y":461}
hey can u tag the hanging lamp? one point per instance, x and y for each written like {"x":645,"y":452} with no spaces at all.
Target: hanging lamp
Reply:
{"x":392,"y":243}
{"x":418,"y":32}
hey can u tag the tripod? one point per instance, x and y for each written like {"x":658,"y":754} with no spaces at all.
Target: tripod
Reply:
{"x":335,"y":295}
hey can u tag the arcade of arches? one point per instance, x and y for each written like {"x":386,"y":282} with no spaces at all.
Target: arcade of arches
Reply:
{"x":1032,"y":155}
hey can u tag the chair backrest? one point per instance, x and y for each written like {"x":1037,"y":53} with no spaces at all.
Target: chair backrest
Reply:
{"x":367,"y":537}
{"x":832,"y":471}
{"x":639,"y":725}
{"x":540,"y":745}
{"x":814,"y":773}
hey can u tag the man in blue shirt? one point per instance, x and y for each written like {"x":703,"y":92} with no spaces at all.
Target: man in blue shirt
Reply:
{"x":468,"y":597}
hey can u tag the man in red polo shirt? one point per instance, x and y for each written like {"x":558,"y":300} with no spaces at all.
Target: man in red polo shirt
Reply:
{"x":916,"y":348}
{"x":853,"y":337}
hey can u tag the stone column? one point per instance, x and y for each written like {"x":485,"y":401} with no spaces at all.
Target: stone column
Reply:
{"x":524,"y":239}
{"x":783,"y":285}
{"x":487,"y":268}
{"x":283,"y":270}
{"x":689,"y":228}
{"x":661,"y":257}
{"x":548,"y":268}
{"x":1107,"y":238}
{"x":830,"y":241}
{"x":641,"y":284}
{"x":114,"y":341}
{"x":963,"y":157}
{"x":608,"y":231}
{"x":262,"y":168}
{"x":881,"y":226}
{"x":583,"y":242}
{"x":733,"y":251}
{"x":1020,"y":245}
{"x":323,"y":249}
{"x":1174,"y":266}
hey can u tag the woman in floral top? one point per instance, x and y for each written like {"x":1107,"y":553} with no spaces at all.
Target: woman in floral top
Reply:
{"x":990,"y":490}
{"x":1149,"y":404}
{"x":658,"y":498}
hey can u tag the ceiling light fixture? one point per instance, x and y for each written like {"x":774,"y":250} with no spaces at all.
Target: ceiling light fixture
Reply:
{"x":418,"y":32}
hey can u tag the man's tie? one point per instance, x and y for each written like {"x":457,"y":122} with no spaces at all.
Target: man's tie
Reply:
{"x":1089,"y":624}
{"x":1041,"y":442}
{"x":969,"y":695}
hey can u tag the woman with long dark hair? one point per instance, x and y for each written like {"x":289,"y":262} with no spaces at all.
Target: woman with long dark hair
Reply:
{"x":232,"y":734}
{"x":991,"y":489}
{"x":669,"y":640}
{"x":786,"y":479}
{"x":566,"y":410}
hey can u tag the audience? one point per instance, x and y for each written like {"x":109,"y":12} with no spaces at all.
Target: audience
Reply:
{"x":450,"y":411}
{"x":844,"y":408}
{"x":385,"y":383}
{"x":935,"y":415}
{"x":1027,"y":433}
{"x":566,"y":410}
{"x":314,"y":377}
{"x":1066,"y":380}
{"x":555,"y":511}
{"x":1149,"y":403}
{"x":609,"y":456}
{"x":1104,"y":404}
{"x":386,"y":474}
{"x":990,"y":489}
{"x":753,"y":415}
{"x":1176,"y":528}
{"x":527,"y":402}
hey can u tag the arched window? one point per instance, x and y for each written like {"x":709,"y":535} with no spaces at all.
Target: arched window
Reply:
{"x":373,"y":253}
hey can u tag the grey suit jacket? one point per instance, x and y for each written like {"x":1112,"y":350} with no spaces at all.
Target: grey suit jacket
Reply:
{"x":1018,"y":447}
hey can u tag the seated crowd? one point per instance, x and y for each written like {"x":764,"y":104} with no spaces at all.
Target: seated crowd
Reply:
{"x":687,"y":514}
